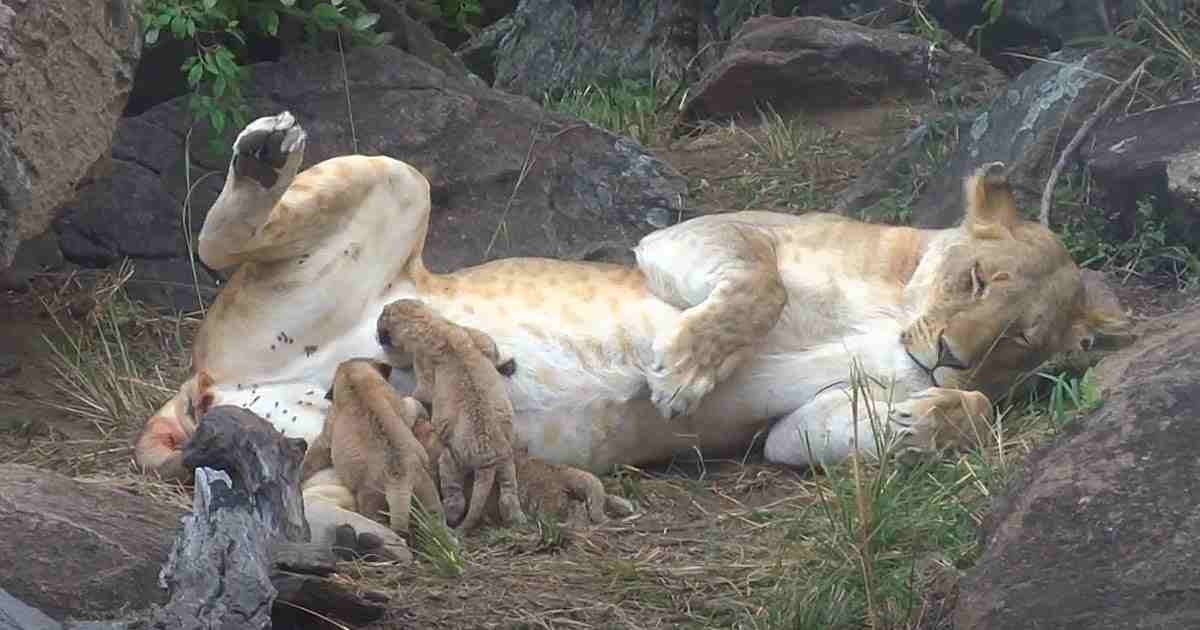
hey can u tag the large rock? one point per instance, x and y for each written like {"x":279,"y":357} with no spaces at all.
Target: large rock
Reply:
{"x":504,"y":173}
{"x":1153,"y":154}
{"x":1026,"y":127}
{"x":79,"y":549}
{"x":1100,"y":529}
{"x":816,"y":62}
{"x":65,"y":73}
{"x":549,"y":45}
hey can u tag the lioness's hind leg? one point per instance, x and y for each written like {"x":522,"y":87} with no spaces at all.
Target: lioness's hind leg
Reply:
{"x":725,"y":276}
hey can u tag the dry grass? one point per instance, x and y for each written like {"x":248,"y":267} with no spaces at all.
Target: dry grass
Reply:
{"x":111,"y":362}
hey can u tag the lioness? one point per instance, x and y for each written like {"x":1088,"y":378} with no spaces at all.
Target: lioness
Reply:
{"x":727,"y":323}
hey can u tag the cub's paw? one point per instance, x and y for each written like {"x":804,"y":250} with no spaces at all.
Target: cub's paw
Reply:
{"x":266,"y":146}
{"x":617,"y":507}
{"x":937,"y":418}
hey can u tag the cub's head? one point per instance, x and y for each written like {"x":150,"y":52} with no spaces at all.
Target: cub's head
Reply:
{"x":1000,"y":295}
{"x":357,"y":368}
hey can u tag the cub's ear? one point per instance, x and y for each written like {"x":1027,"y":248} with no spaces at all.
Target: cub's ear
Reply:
{"x":329,"y":394}
{"x":991,"y":209}
{"x":384,"y":369}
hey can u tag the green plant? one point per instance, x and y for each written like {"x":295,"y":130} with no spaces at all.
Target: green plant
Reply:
{"x":1070,"y":396}
{"x":883,"y":527}
{"x":626,"y":107}
{"x":456,"y":14}
{"x":992,"y":12}
{"x":435,"y":542}
{"x":218,"y":31}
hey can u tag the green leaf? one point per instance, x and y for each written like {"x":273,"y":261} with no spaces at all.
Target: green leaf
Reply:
{"x":151,"y":36}
{"x":164,"y":19}
{"x":179,"y":26}
{"x":325,"y":15}
{"x":209,"y":4}
{"x":287,"y":3}
{"x":268,"y":21}
{"x":365,"y":21}
{"x":336,"y":3}
{"x":219,"y":87}
{"x":191,"y":28}
{"x":226,"y":63}
{"x":217,"y":117}
{"x":195,"y":74}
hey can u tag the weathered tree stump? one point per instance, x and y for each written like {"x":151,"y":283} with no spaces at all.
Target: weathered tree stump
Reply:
{"x":247,"y":521}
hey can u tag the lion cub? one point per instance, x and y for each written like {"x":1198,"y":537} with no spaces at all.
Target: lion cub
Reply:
{"x":472,"y":413}
{"x":544,"y":488}
{"x":368,"y":440}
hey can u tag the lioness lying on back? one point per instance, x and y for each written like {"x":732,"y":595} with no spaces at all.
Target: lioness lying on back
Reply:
{"x":471,"y":410}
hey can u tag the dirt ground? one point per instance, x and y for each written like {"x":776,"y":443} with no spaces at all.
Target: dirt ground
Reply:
{"x":703,"y":549}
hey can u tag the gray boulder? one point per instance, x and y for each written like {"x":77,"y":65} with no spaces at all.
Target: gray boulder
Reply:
{"x":84,"y":550}
{"x":817,"y":62}
{"x":507,"y":177}
{"x":1152,"y":154}
{"x":547,"y":45}
{"x":1026,"y":127}
{"x":65,"y":72}
{"x":1099,"y":529}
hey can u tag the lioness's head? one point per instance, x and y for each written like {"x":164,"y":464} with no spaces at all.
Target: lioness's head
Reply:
{"x":1001,"y":295}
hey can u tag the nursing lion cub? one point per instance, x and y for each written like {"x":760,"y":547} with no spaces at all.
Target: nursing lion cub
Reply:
{"x":369,"y":443}
{"x":472,"y":414}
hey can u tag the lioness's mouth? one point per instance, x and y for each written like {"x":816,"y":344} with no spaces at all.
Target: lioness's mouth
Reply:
{"x":928,"y":372}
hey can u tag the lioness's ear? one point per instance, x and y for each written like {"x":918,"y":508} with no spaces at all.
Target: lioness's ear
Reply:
{"x":1100,"y":321}
{"x":991,"y":208}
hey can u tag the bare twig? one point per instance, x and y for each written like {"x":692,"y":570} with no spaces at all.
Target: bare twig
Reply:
{"x":1084,"y":130}
{"x":346,"y":87}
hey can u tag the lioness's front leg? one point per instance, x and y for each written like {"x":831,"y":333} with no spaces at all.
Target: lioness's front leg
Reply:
{"x":266,"y":157}
{"x":829,"y":429}
{"x":725,"y":276}
{"x":938,"y":418}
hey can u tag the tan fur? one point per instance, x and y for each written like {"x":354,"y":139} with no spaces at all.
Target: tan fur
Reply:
{"x":471,"y":410}
{"x":368,"y":442}
{"x":543,"y":487}
{"x":728,"y":320}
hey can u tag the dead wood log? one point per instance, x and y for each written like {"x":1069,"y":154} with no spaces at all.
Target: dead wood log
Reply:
{"x":247,"y":519}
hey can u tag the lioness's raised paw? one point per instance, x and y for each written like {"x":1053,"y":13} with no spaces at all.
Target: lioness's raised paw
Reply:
{"x":266,"y":147}
{"x":938,"y":418}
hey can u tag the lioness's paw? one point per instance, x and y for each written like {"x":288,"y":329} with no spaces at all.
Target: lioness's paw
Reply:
{"x":263,"y":148}
{"x":679,"y":378}
{"x":938,"y":418}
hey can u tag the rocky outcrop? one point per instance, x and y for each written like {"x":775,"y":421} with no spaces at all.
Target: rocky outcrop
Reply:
{"x":1025,"y":126}
{"x":507,"y":177}
{"x":1099,"y":529}
{"x":65,"y":73}
{"x":79,"y":549}
{"x":1154,"y":156}
{"x":548,"y":45}
{"x":815,"y":62}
